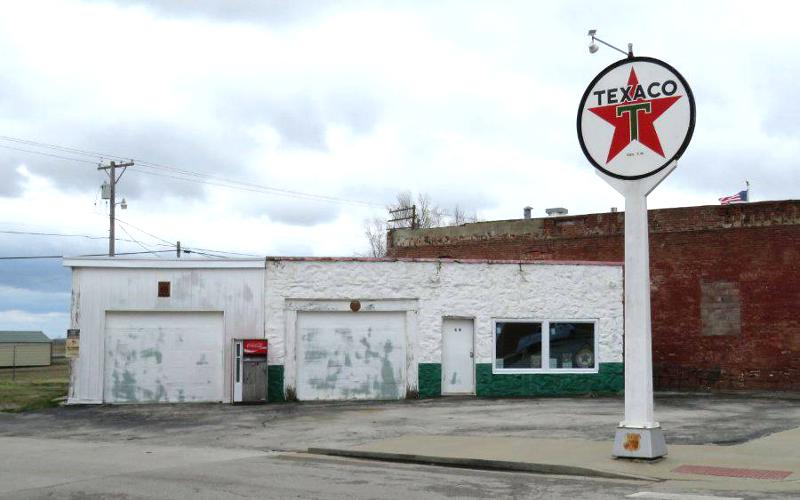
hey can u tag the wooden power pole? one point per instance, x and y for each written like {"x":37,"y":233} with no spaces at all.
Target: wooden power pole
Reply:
{"x":111,"y":169}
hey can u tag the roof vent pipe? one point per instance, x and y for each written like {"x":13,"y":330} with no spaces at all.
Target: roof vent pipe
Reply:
{"x":527,"y":212}
{"x":556,"y":211}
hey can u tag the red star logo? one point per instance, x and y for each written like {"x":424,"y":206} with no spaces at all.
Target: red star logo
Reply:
{"x":633,"y":118}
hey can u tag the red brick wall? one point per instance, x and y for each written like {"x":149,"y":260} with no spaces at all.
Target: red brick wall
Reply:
{"x":707,"y":264}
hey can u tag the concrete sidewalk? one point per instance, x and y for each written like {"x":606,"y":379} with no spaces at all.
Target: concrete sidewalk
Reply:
{"x":771,"y":463}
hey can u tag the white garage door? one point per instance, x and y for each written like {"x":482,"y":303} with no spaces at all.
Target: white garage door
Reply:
{"x":345,"y":355}
{"x":163,"y":357}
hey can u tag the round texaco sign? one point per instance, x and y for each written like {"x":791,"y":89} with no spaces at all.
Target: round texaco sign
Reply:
{"x":635,"y":118}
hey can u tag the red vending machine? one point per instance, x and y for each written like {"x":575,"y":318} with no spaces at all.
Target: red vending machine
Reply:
{"x":250,"y":370}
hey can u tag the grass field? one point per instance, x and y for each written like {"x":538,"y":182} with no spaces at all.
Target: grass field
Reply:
{"x":33,"y":388}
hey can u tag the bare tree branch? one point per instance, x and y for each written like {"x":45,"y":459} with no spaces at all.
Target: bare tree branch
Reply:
{"x":427,"y":213}
{"x":375,"y":231}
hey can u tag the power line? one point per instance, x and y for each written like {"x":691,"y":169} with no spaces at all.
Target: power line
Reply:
{"x":47,"y":154}
{"x":183,"y":174}
{"x":145,"y":232}
{"x":184,"y":249}
{"x":193,"y":249}
{"x":36,"y":233}
{"x":27,"y":257}
{"x":57,"y":147}
{"x":138,"y":242}
{"x":256,"y":188}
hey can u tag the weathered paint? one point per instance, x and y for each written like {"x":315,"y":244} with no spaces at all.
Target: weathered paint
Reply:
{"x":342,"y":355}
{"x":458,"y":368}
{"x":234,"y":289}
{"x":259,"y":301}
{"x":429,"y":291}
{"x":160,"y":357}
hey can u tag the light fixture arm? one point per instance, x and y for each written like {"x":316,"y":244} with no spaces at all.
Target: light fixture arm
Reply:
{"x":593,"y":34}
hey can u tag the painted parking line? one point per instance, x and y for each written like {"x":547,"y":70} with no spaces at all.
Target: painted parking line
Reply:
{"x":677,"y":496}
{"x":733,"y":472}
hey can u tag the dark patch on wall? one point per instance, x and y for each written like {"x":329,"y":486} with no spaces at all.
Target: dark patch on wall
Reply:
{"x":720,"y":308}
{"x":124,"y":387}
{"x":151,"y":353}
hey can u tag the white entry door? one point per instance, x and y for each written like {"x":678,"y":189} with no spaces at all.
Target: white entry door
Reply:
{"x":458,"y":373}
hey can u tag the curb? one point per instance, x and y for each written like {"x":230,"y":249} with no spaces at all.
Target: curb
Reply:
{"x":479,"y":463}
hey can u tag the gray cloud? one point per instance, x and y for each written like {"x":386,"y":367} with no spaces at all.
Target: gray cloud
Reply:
{"x":782,"y":108}
{"x":10,"y":179}
{"x":36,"y":275}
{"x":302,"y":119}
{"x":155,"y":142}
{"x":221,"y":149}
{"x":294,"y":248}
{"x":36,"y":301}
{"x":273,"y":13}
{"x":723,"y":171}
{"x":290,"y":211}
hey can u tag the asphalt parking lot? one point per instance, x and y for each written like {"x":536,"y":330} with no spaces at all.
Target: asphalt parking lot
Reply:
{"x":686,"y":419}
{"x":224,"y":451}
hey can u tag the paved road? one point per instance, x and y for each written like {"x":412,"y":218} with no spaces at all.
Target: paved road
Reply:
{"x":703,"y":419}
{"x":222,"y":451}
{"x":69,"y":469}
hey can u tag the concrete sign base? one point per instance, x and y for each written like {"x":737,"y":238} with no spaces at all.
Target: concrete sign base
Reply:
{"x":631,"y":442}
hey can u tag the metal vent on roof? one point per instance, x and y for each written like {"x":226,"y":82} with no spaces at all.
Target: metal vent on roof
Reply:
{"x":556,"y":211}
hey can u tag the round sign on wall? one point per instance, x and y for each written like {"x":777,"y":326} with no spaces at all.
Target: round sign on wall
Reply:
{"x":635,"y":118}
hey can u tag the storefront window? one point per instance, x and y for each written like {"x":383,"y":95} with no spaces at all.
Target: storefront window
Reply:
{"x":518,"y":345}
{"x":566,"y":346}
{"x":571,"y":345}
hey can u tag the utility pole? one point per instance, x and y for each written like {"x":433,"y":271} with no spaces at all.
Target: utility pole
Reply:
{"x":402,"y":214}
{"x":111,"y":169}
{"x":178,"y":250}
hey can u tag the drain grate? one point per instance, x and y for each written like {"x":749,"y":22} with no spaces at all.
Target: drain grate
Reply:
{"x":732,"y":472}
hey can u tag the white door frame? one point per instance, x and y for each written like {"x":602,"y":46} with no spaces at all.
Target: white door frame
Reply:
{"x":474,"y":374}
{"x":238,"y":368}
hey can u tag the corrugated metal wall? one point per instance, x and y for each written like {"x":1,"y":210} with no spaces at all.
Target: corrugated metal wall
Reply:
{"x":37,"y":354}
{"x":237,"y":293}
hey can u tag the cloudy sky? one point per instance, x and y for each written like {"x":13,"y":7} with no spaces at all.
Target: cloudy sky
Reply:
{"x":321,"y":111}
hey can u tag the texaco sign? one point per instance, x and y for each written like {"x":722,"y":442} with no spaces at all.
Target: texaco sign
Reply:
{"x":635,"y":118}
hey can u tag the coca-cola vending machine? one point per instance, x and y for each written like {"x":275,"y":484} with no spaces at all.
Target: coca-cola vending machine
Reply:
{"x":250,"y":370}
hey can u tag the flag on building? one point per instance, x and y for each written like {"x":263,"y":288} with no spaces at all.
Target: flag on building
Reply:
{"x":739,"y":197}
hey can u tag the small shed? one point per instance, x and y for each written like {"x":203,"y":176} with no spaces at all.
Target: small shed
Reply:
{"x":24,"y":348}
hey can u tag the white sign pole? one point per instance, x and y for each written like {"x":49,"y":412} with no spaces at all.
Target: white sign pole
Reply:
{"x":639,"y":435}
{"x":635,"y":120}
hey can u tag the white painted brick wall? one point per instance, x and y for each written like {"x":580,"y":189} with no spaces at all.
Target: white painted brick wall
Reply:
{"x":483,"y":291}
